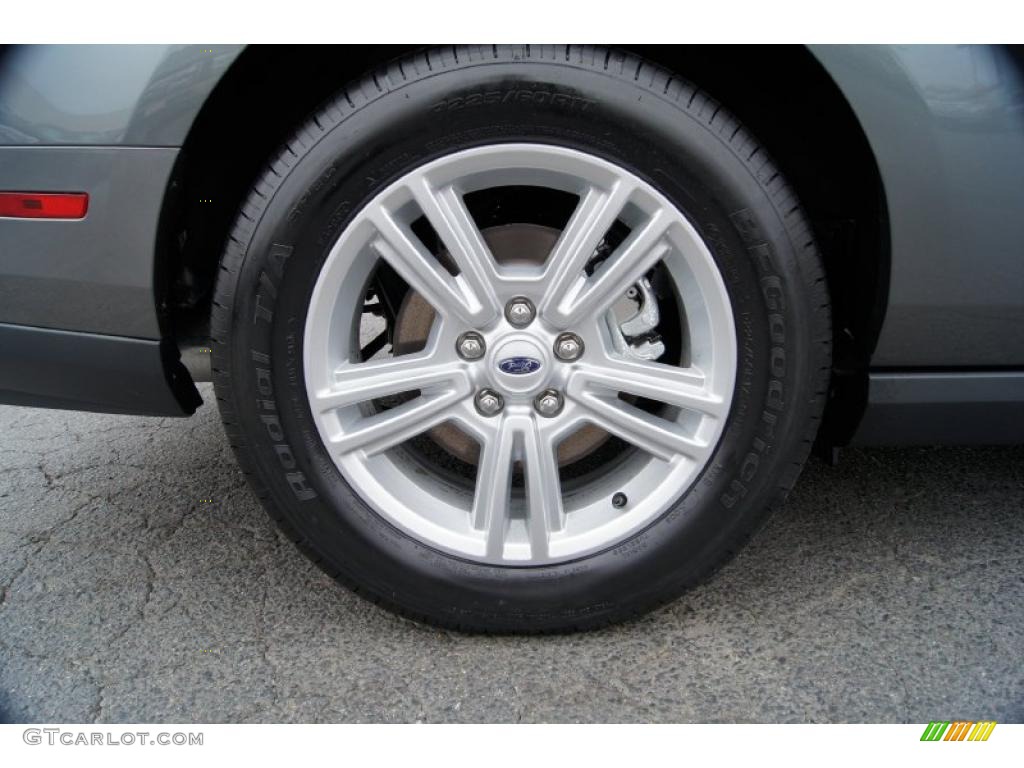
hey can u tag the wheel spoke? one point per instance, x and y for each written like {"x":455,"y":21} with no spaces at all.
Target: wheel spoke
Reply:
{"x":594,"y":215}
{"x":543,"y":488}
{"x":682,"y":387}
{"x":659,"y":437}
{"x":359,"y":382}
{"x":644,"y":248}
{"x":493,"y":489}
{"x":381,"y":431}
{"x":518,"y":437}
{"x":410,"y":259}
{"x":447,"y":213}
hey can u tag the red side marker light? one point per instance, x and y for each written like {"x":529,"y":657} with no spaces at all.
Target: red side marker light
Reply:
{"x":43,"y":205}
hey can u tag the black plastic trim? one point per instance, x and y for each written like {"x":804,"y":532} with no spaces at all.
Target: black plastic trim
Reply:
{"x":943,"y":408}
{"x":47,"y":368}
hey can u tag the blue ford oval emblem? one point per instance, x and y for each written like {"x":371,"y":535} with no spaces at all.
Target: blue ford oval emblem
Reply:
{"x":519,"y":365}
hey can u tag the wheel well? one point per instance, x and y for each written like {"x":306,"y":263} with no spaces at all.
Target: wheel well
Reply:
{"x":780,"y":92}
{"x":796,"y":110}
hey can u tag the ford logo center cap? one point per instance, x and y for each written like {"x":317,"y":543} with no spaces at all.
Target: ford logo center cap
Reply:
{"x":519,"y":365}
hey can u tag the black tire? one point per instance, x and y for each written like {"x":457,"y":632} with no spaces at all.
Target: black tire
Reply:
{"x":617,"y":106}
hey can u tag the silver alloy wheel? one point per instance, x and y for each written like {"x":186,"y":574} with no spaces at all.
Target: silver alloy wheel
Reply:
{"x":543,"y":521}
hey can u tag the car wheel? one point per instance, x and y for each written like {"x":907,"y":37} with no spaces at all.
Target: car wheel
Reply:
{"x":521,"y":339}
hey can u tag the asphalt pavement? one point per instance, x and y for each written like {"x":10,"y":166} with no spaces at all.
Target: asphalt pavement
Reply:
{"x":140,"y":580}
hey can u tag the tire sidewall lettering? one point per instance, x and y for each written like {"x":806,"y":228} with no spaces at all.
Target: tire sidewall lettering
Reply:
{"x":264,"y":304}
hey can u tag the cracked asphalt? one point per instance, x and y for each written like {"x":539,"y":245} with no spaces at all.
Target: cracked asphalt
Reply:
{"x":890,"y":588}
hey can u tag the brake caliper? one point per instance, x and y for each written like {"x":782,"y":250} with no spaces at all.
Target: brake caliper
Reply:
{"x":632,"y":323}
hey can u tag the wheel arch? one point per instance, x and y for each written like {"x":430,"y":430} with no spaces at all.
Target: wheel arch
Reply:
{"x":782,"y":93}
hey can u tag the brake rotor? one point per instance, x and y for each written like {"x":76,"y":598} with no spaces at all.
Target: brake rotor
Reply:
{"x":509,"y":244}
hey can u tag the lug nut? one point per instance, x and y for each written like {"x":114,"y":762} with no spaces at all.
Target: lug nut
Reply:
{"x":489,"y":402}
{"x":549,"y":403}
{"x":520,"y":312}
{"x":470,"y":345}
{"x":568,"y":346}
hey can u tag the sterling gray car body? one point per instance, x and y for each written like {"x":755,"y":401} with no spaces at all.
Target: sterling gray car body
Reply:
{"x":81,"y":299}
